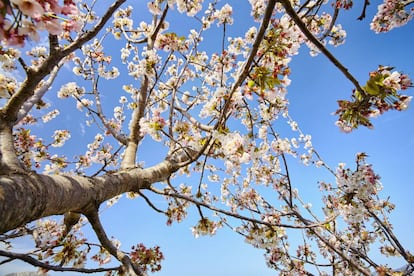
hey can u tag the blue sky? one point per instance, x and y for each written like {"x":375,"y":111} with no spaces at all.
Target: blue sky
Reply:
{"x":316,"y":85}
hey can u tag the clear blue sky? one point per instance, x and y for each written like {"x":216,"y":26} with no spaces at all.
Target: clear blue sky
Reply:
{"x":316,"y":85}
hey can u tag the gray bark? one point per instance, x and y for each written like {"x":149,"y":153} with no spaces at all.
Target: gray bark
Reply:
{"x":25,"y":197}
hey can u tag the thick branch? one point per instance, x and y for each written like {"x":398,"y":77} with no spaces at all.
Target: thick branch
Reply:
{"x":134,"y":127}
{"x":8,"y":157}
{"x":9,"y":113}
{"x":27,"y":197}
{"x":39,"y":93}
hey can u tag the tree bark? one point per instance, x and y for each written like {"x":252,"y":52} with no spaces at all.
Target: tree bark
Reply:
{"x":25,"y":197}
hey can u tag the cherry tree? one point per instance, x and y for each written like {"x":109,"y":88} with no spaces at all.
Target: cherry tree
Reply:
{"x":212,"y":112}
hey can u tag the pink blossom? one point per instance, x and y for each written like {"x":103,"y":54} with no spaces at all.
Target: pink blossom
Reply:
{"x":29,"y":7}
{"x":53,"y":26}
{"x":29,"y":29}
{"x":54,"y":6}
{"x":72,"y":25}
{"x":70,"y":9}
{"x":15,"y":40}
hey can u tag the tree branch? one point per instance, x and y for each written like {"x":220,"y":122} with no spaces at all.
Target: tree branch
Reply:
{"x":9,"y":113}
{"x":134,"y":127}
{"x":25,"y":197}
{"x":30,"y":260}
{"x":129,"y":266}
{"x":292,"y":13}
{"x":135,"y":135}
{"x":39,"y":93}
{"x":390,"y":235}
{"x":343,"y":256}
{"x":86,"y":36}
{"x":8,"y":158}
{"x":364,"y":9}
{"x":244,"y":72}
{"x":238,"y":216}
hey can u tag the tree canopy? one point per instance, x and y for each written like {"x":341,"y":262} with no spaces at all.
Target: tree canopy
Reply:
{"x":184,"y":106}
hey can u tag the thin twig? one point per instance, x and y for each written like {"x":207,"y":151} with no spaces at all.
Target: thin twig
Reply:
{"x":148,"y":201}
{"x":364,"y":9}
{"x":238,"y":216}
{"x":30,"y":260}
{"x":302,"y":26}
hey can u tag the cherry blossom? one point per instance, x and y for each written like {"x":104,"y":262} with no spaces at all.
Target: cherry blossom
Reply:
{"x":391,"y":14}
{"x":29,"y":7}
{"x":216,"y":112}
{"x":36,"y":16}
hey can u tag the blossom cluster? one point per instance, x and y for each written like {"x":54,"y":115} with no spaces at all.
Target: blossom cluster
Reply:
{"x":148,"y":259}
{"x":224,"y":15}
{"x":356,"y":202}
{"x":32,"y":150}
{"x":60,"y":137}
{"x":391,"y":14}
{"x":97,"y":152}
{"x":56,"y":247}
{"x":145,"y":66}
{"x":357,"y":191}
{"x":380,"y":94}
{"x":94,"y":54}
{"x":123,"y":26}
{"x":152,"y":125}
{"x":177,"y":209}
{"x":322,"y":26}
{"x":8,"y":57}
{"x":171,"y":42}
{"x":8,"y":86}
{"x":38,"y":55}
{"x":23,"y":19}
{"x":205,"y":227}
{"x":70,"y":89}
{"x":191,"y":8}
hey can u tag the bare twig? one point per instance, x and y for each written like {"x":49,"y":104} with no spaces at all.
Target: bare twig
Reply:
{"x":364,"y":9}
{"x":390,"y":235}
{"x":148,"y":201}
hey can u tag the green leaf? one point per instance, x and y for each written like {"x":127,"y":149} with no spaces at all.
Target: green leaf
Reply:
{"x":374,"y":84}
{"x":250,"y":83}
{"x":372,"y":88}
